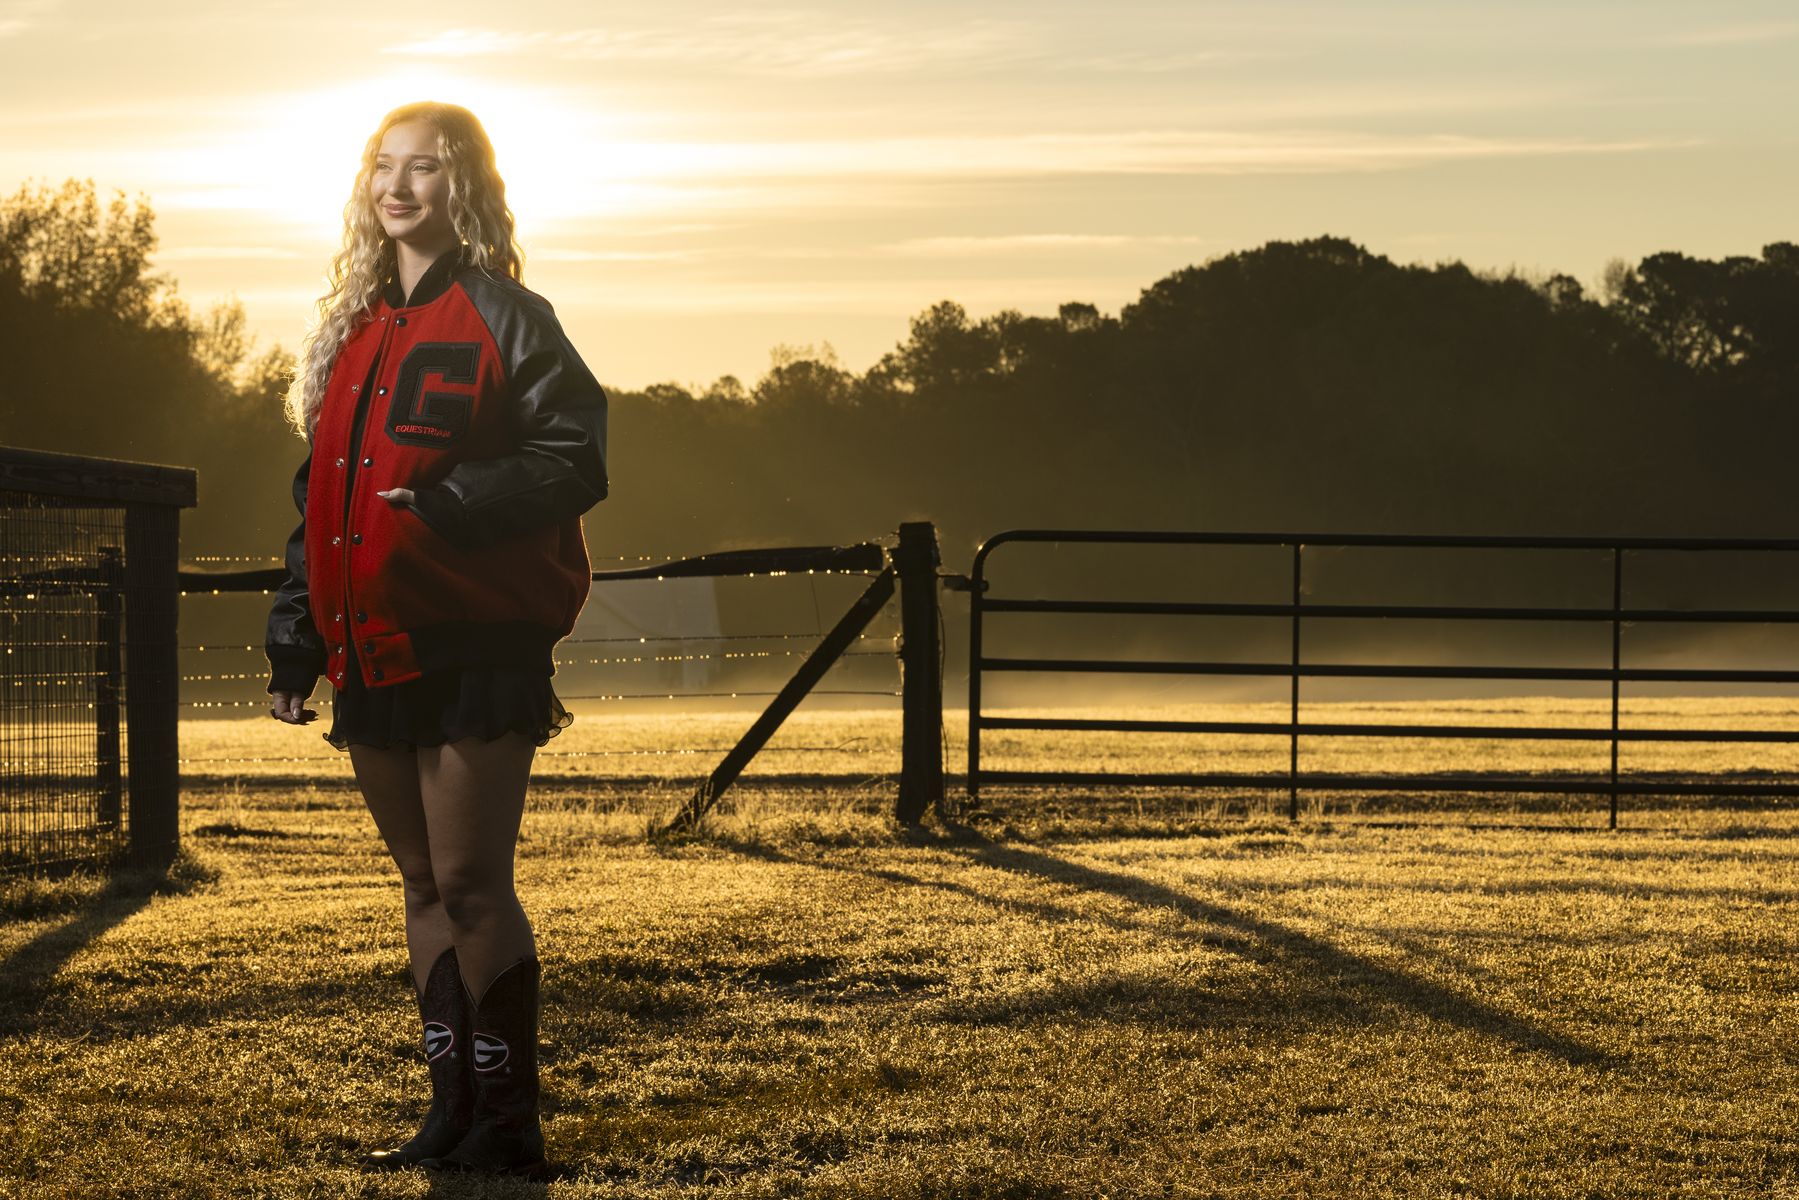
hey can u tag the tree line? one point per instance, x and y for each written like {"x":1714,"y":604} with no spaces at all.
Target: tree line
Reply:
{"x":1297,"y":385}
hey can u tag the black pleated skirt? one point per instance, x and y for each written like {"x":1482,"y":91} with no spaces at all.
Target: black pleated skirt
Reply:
{"x":444,"y":706}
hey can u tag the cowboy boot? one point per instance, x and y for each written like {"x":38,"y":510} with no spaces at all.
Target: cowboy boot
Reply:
{"x":444,"y":1009}
{"x":506,"y":1137}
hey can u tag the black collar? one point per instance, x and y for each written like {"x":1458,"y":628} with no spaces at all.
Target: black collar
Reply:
{"x":432,"y":284}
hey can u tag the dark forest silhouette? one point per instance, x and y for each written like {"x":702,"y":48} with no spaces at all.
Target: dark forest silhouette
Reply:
{"x":1297,"y":385}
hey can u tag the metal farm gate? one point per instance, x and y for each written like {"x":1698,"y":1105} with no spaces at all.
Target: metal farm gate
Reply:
{"x":1299,"y":614}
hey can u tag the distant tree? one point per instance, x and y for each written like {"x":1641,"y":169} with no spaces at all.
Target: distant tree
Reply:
{"x":805,"y":383}
{"x":1729,"y":321}
{"x":727,"y":389}
{"x":1683,"y":304}
{"x":668,"y":393}
{"x":783,"y":354}
{"x":945,"y":353}
{"x":1078,"y":316}
{"x":105,"y":358}
{"x":57,"y":250}
{"x":1564,"y":292}
{"x":71,"y":276}
{"x":264,"y":379}
{"x":1764,"y":305}
{"x":221,"y":342}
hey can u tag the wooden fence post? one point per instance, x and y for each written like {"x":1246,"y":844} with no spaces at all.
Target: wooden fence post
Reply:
{"x":152,"y":682}
{"x":921,"y":673}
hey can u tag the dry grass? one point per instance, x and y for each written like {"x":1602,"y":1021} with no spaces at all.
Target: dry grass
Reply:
{"x":1059,"y":996}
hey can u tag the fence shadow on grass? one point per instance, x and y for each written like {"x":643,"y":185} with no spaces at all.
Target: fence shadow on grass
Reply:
{"x":29,"y":968}
{"x":1309,"y":956}
{"x":1301,"y":949}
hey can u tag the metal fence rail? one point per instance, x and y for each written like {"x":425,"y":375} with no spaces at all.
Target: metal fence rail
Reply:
{"x":1295,"y":669}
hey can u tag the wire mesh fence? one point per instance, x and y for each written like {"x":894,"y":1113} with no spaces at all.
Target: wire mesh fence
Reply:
{"x":671,"y":634}
{"x":87,"y":645}
{"x":61,"y":680}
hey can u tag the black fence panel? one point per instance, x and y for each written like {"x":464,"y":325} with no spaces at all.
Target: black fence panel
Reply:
{"x":1295,"y":668}
{"x":88,"y":686}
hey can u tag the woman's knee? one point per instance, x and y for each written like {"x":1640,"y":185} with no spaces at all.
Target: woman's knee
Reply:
{"x":473,"y":898}
{"x":419,"y":884}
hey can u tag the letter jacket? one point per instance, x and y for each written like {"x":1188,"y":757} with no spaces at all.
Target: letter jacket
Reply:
{"x":468,"y":393}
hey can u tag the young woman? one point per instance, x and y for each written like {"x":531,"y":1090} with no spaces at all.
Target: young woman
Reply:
{"x":454,"y":439}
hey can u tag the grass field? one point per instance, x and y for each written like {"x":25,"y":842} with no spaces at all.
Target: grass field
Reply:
{"x":1060,"y":996}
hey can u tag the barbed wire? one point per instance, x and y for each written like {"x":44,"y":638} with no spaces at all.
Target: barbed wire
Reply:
{"x":692,"y":750}
{"x":38,"y":688}
{"x":73,"y":763}
{"x":18,"y":679}
{"x":263,"y":703}
{"x":863,"y":572}
{"x":562,"y":663}
{"x":639,"y":638}
{"x":278,"y":560}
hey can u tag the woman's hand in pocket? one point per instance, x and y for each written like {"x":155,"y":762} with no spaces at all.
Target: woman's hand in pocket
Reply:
{"x":397,"y":496}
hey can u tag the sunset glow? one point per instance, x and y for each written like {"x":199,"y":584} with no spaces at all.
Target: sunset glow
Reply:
{"x":697,"y":184}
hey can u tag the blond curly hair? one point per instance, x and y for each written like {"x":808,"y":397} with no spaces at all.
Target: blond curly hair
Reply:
{"x":478,"y":211}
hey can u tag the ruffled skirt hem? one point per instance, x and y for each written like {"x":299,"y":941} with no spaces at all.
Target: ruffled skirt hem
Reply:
{"x":476,"y":701}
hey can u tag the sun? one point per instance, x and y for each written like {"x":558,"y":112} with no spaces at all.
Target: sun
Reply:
{"x":561,"y":160}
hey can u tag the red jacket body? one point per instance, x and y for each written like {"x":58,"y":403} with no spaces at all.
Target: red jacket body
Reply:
{"x":468,"y":393}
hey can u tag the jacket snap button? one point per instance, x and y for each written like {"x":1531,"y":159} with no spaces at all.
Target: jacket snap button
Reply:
{"x":399,"y":320}
{"x":356,"y":538}
{"x":336,"y":540}
{"x":355,"y":387}
{"x":362,"y":616}
{"x":340,"y":462}
{"x":368,"y":647}
{"x":377,"y":672}
{"x":368,"y":462}
{"x":338,"y":618}
{"x":380,"y":391}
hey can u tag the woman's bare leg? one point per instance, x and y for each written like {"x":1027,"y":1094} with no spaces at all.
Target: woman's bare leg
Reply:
{"x":390,"y":787}
{"x":473,"y":793}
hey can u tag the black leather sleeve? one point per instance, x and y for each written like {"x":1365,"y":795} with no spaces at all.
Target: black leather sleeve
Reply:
{"x":558,"y":412}
{"x":295,"y":650}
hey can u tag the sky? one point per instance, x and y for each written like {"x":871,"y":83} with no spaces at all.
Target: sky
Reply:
{"x":700,"y":184}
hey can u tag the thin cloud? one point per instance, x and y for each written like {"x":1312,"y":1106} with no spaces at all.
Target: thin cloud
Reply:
{"x":17,"y":16}
{"x":782,"y":43}
{"x":873,"y":295}
{"x":571,"y":255}
{"x":1733,"y":35}
{"x":471,"y":43}
{"x":1139,"y":151}
{"x":199,"y":253}
{"x":1151,"y":62}
{"x":1030,"y":243}
{"x":1001,"y":245}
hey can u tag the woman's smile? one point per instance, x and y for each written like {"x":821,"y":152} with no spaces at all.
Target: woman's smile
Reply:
{"x":408,"y":164}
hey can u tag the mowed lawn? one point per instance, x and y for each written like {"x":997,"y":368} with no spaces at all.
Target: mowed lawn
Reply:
{"x":1167,"y":999}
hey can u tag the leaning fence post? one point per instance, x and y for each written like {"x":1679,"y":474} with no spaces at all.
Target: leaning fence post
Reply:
{"x":921,"y":672}
{"x":827,"y":652}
